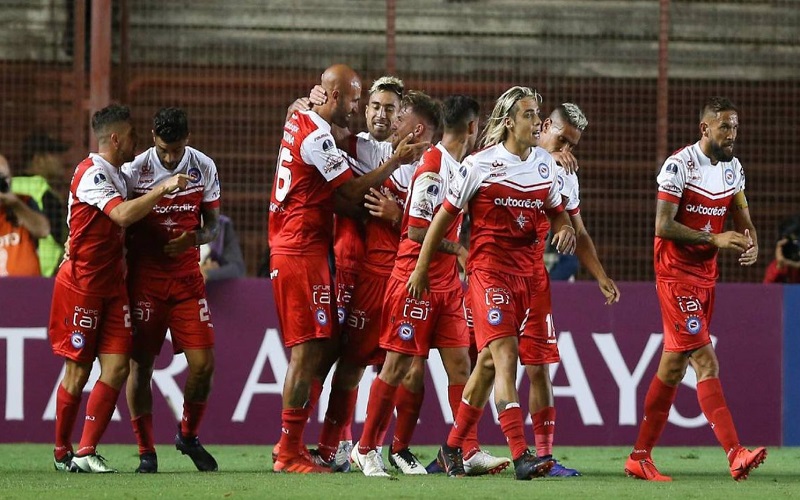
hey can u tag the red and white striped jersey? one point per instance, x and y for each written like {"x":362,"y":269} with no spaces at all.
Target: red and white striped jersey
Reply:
{"x":507,"y":197}
{"x":96,"y":264}
{"x":704,"y":194}
{"x":436,"y":173}
{"x":173,"y":214}
{"x":310,"y":167}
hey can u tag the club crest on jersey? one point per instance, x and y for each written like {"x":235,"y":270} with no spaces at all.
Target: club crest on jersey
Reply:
{"x":729,"y":176}
{"x":693,"y":324}
{"x":195,"y":175}
{"x":672,"y":168}
{"x":100,"y":178}
{"x":321,"y":316}
{"x":560,"y":181}
{"x":405,"y":331}
{"x":463,"y":170}
{"x":77,"y":340}
{"x":544,"y":170}
{"x":494,"y":316}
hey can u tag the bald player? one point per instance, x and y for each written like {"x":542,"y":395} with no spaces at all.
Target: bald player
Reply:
{"x":310,"y":173}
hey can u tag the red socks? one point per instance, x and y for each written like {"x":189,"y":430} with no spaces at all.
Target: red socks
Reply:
{"x":544,"y":426}
{"x":470,"y":444}
{"x":341,"y":406}
{"x":379,"y":413}
{"x":408,"y":406}
{"x":293,"y":422}
{"x":466,"y":420}
{"x":656,"y":411}
{"x":511,"y":424}
{"x":99,"y":410}
{"x":192,"y":416}
{"x":67,"y":407}
{"x":712,"y":402}
{"x":143,"y":429}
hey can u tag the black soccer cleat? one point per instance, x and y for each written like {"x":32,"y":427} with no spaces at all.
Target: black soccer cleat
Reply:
{"x":148,"y":463}
{"x":529,"y":466}
{"x":451,"y":461}
{"x":192,"y":447}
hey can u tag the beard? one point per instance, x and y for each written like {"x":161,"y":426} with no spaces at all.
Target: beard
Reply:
{"x":720,"y":153}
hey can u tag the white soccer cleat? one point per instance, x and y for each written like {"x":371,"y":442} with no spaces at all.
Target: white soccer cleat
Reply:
{"x":90,"y":463}
{"x":483,"y":463}
{"x":406,"y":462}
{"x":370,"y":464}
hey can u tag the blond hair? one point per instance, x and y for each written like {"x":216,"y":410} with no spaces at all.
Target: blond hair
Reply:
{"x":506,"y":106}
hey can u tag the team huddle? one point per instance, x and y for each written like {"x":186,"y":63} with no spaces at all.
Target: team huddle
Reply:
{"x":390,"y":202}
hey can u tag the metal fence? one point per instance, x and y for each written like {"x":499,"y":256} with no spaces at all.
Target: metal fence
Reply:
{"x":639,"y":69}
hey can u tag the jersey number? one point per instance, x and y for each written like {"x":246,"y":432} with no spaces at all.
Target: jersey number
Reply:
{"x":283,"y":178}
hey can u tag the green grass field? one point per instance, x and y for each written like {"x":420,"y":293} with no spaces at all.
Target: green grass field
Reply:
{"x":26,"y":471}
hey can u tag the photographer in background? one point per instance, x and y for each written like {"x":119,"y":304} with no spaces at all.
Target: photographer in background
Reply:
{"x":786,"y":266}
{"x":21,"y":226}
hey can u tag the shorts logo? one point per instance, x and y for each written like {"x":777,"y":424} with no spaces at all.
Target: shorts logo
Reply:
{"x":342,"y":314}
{"x":693,"y":324}
{"x":494,"y":316}
{"x":322,"y":317}
{"x":544,"y":170}
{"x":729,"y":176}
{"x":405,"y":331}
{"x":195,"y":174}
{"x":99,"y":179}
{"x":77,"y":339}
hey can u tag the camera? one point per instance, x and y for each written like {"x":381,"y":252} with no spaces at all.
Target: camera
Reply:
{"x":4,"y":187}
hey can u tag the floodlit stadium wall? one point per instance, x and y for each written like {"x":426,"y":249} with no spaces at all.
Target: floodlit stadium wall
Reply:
{"x":609,"y":355}
{"x":638,"y":69}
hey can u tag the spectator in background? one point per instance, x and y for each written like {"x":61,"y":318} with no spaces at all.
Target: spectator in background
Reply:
{"x":785,"y":268}
{"x":222,"y":258}
{"x":21,"y":226}
{"x":46,"y":182}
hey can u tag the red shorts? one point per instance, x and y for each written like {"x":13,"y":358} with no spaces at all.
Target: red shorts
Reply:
{"x":500,"y":304}
{"x":362,"y":332}
{"x":302,"y":289}
{"x":179,"y":304}
{"x":686,"y":313}
{"x":473,"y":347}
{"x":538,"y":344}
{"x":345,"y":284}
{"x":413,"y":327}
{"x":83,"y":326}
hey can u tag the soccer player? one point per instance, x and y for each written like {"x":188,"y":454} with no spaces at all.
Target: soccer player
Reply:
{"x":507,"y":187}
{"x":311,"y":172}
{"x":420,"y":117}
{"x":90,"y":313}
{"x":165,"y":285}
{"x":538,"y":347}
{"x":697,"y":187}
{"x":411,"y":326}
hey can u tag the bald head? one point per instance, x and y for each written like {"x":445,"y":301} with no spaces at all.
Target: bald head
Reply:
{"x":343,"y":85}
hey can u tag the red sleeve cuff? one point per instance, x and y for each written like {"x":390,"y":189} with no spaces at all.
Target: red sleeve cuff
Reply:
{"x":417,"y":222}
{"x":454,"y":210}
{"x":210,"y":204}
{"x":552,"y":212}
{"x":112,"y":204}
{"x":669,"y":197}
{"x":574,"y":211}
{"x":345,"y":176}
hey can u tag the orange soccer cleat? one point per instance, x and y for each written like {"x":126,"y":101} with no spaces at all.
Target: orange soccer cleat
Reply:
{"x":299,"y":464}
{"x":644,"y":469}
{"x":745,"y":460}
